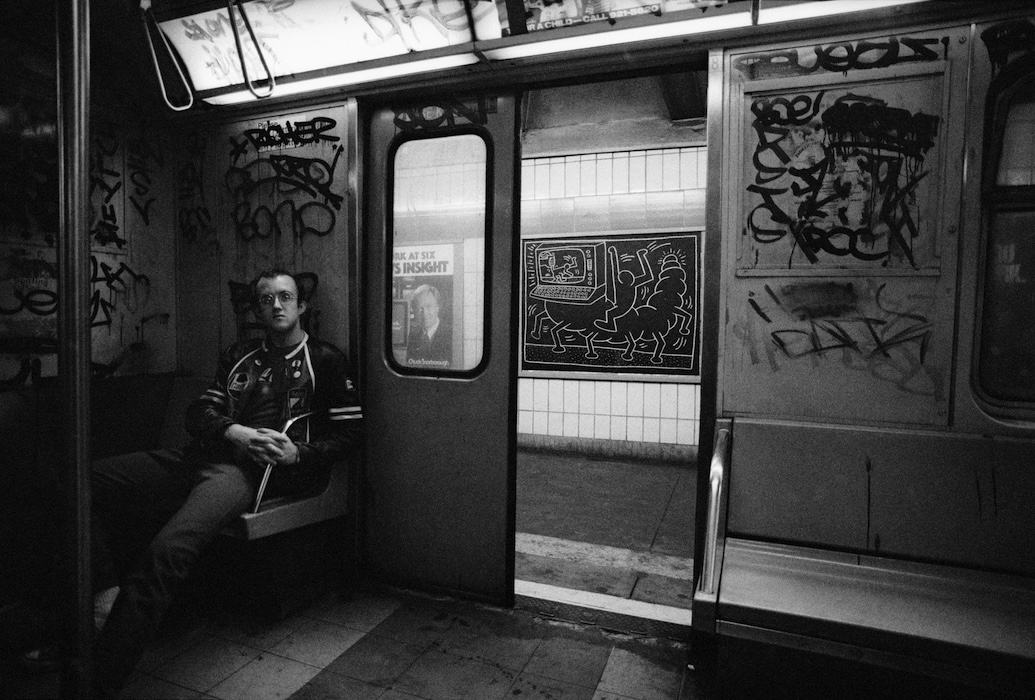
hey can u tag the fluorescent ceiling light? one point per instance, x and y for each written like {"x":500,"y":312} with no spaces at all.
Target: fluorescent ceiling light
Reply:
{"x":356,"y":77}
{"x":614,"y":37}
{"x":806,"y":10}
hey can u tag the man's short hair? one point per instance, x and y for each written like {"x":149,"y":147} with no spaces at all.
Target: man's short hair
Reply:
{"x":270,"y":273}
{"x":426,"y":289}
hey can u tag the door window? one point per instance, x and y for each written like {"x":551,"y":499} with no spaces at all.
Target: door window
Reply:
{"x":438,"y":241}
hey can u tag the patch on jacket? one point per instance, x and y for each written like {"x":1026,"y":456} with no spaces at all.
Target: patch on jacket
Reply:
{"x":238,"y":383}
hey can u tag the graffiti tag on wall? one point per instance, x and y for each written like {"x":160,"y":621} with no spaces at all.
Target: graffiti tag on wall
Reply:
{"x":275,"y":192}
{"x":193,"y":217}
{"x":839,"y":178}
{"x":843,"y":56}
{"x":120,"y":296}
{"x":861,"y":325}
{"x":614,"y":303}
{"x":445,"y":114}
{"x":106,"y":195}
{"x":123,"y":173}
{"x":30,"y":283}
{"x":144,"y":161}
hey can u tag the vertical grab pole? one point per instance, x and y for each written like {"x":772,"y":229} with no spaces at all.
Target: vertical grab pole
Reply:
{"x":73,"y":118}
{"x":716,"y":478}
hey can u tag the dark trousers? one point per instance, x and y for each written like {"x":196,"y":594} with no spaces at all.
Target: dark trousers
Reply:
{"x":153,"y":514}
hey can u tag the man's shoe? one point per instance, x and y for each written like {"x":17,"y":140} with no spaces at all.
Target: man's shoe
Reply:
{"x":44,"y":659}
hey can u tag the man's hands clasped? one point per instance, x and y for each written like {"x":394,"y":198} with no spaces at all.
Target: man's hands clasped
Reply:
{"x":262,"y":445}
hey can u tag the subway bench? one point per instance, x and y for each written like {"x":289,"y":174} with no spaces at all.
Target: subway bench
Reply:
{"x":143,"y":412}
{"x":275,"y":514}
{"x":286,"y":550}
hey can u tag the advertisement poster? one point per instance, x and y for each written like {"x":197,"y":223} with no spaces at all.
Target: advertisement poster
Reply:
{"x":422,"y":318}
{"x":553,"y":14}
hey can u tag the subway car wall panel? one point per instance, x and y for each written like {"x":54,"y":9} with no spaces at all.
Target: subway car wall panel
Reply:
{"x":951,"y":499}
{"x":840,"y":300}
{"x":253,"y":194}
{"x":882,"y":469}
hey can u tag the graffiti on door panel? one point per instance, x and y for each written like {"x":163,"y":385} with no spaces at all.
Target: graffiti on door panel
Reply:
{"x":613,"y":303}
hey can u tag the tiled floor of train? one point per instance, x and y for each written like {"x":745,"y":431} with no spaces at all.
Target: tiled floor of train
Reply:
{"x":395,"y":645}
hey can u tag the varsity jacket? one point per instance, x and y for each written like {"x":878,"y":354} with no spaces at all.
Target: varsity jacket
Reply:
{"x":258,"y":385}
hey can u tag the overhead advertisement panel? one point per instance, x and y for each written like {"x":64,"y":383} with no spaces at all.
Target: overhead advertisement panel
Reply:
{"x":554,"y":14}
{"x":315,"y":37}
{"x":301,"y":37}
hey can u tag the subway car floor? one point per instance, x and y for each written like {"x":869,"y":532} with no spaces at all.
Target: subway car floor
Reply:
{"x":609,"y":530}
{"x":392,"y":645}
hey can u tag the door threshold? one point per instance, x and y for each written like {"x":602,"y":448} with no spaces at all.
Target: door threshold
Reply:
{"x":587,"y":607}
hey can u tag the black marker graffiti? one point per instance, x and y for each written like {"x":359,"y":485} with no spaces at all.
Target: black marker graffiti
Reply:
{"x":37,"y":279}
{"x":286,"y":135}
{"x":133,"y":287}
{"x":192,"y":214}
{"x":29,"y":348}
{"x":142,"y":160}
{"x":34,"y":282}
{"x":444,"y":115}
{"x":302,"y":188}
{"x":312,"y":218}
{"x":30,"y":369}
{"x":856,"y":323}
{"x":840,"y":181}
{"x":286,"y":174}
{"x":105,"y":180}
{"x":1008,"y":38}
{"x":41,"y":302}
{"x":841,"y":57}
{"x":213,"y":28}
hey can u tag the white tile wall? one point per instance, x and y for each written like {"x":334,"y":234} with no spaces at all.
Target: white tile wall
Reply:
{"x":648,"y":189}
{"x":599,"y":174}
{"x":609,"y":410}
{"x":473,"y":301}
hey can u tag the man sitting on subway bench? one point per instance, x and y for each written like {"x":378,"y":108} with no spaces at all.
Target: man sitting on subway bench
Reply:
{"x":154,"y":512}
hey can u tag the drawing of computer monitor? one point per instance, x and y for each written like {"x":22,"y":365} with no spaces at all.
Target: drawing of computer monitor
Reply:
{"x":572,"y":273}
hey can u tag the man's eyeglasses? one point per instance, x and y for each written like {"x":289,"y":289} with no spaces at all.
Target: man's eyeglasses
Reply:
{"x":285,"y":298}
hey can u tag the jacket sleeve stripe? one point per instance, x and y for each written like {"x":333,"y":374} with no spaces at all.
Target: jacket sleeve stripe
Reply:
{"x":215,"y":396}
{"x":345,"y":413}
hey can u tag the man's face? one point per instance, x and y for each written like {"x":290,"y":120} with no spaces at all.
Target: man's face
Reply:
{"x":279,"y":307}
{"x":426,"y":311}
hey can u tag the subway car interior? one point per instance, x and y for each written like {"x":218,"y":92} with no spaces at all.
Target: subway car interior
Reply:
{"x":693,"y":342}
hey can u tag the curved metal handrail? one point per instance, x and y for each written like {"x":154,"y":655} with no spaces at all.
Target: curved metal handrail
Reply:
{"x":716,"y":480}
{"x":240,"y":50}
{"x":146,"y":15}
